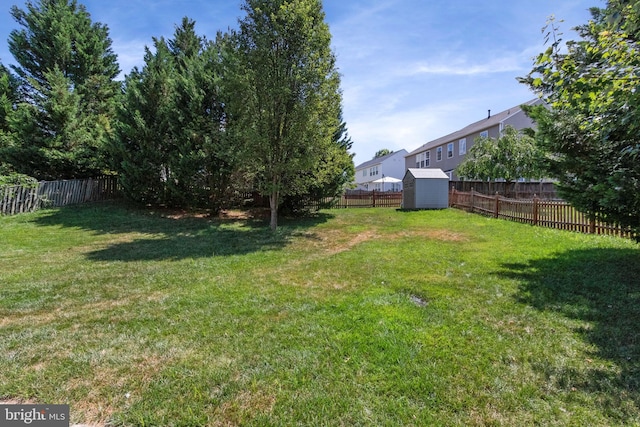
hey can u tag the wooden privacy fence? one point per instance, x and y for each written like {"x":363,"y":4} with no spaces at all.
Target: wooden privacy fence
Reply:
{"x":365,"y":199}
{"x":514,"y":190}
{"x":15,"y":199}
{"x":546,"y":213}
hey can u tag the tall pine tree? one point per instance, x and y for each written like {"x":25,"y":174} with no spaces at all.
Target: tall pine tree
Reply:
{"x":172,"y":147}
{"x":68,"y":93}
{"x":8,"y":100}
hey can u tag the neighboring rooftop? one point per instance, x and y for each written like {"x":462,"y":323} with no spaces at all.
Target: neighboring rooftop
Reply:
{"x":476,"y":127}
{"x":378,"y":160}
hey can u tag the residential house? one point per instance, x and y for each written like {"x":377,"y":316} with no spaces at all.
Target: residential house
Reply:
{"x":447,"y":152}
{"x":390,"y":166}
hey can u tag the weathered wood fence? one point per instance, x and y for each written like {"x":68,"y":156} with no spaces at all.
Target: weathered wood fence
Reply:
{"x":546,"y":213}
{"x":513,"y":190}
{"x":365,"y":199}
{"x":15,"y":199}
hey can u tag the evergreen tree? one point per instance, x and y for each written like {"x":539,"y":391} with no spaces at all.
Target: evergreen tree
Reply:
{"x":8,"y":96}
{"x":172,"y":147}
{"x":139,"y":150}
{"x":68,"y":95}
{"x":8,"y":100}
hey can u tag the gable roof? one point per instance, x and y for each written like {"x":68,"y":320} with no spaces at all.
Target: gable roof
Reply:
{"x":427,"y":173}
{"x":379,"y":160}
{"x":476,"y":127}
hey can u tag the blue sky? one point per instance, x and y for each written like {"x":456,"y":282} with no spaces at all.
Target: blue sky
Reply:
{"x":412,"y":70}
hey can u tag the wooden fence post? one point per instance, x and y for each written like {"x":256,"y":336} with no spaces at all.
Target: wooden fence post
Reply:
{"x":535,"y":210}
{"x":496,"y":210}
{"x":373,"y":198}
{"x":472,"y":199}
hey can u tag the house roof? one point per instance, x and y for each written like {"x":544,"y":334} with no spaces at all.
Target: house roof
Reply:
{"x":473,"y":127}
{"x":427,"y":173}
{"x":379,"y":160}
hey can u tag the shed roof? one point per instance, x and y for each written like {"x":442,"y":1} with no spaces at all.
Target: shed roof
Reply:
{"x":427,"y":173}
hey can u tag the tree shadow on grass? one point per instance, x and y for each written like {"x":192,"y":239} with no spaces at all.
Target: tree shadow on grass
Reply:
{"x":162,"y":234}
{"x":601,"y":287}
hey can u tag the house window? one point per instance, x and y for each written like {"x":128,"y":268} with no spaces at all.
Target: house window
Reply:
{"x":462,"y":146}
{"x":364,"y":172}
{"x":484,"y":134}
{"x":422,"y":160}
{"x":438,"y":154}
{"x":449,"y":150}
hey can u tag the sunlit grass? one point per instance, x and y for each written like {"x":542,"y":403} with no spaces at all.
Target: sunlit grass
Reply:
{"x":353,"y":317}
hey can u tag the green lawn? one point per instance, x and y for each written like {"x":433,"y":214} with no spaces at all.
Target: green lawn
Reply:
{"x":354,"y":317}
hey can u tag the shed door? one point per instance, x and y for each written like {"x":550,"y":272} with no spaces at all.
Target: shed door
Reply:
{"x":409,"y":194}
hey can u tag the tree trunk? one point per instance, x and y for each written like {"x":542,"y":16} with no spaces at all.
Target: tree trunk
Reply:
{"x":273,"y":203}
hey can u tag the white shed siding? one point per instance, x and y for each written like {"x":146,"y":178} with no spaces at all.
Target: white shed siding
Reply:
{"x":425,"y":189}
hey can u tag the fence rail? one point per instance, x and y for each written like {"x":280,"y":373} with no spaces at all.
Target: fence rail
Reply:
{"x":365,"y":199}
{"x":556,"y":214}
{"x":513,"y":190}
{"x":15,"y":199}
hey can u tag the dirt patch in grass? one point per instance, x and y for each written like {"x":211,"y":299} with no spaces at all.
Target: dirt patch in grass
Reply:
{"x":245,"y":406}
{"x":332,"y":242}
{"x":343,"y":246}
{"x":256,"y":213}
{"x":85,"y":311}
{"x":442,"y":235}
{"x":227,"y":214}
{"x":8,"y":401}
{"x":447,"y":236}
{"x":96,"y":409}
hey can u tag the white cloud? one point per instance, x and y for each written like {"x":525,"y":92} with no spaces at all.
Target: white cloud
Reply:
{"x":130,"y":54}
{"x":464,"y":68}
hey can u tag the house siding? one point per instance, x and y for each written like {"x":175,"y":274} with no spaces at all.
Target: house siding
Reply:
{"x":492,"y":125}
{"x":391,"y":165}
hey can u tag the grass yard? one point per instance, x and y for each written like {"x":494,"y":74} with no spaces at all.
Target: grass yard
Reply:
{"x":368,"y":317}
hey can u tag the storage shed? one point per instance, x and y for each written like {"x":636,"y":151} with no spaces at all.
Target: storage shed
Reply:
{"x":425,"y":189}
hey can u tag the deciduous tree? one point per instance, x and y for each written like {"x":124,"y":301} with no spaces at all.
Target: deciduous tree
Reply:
{"x":381,"y":153}
{"x":330,"y":178}
{"x":511,"y":156}
{"x":592,"y":130}
{"x":289,"y":102}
